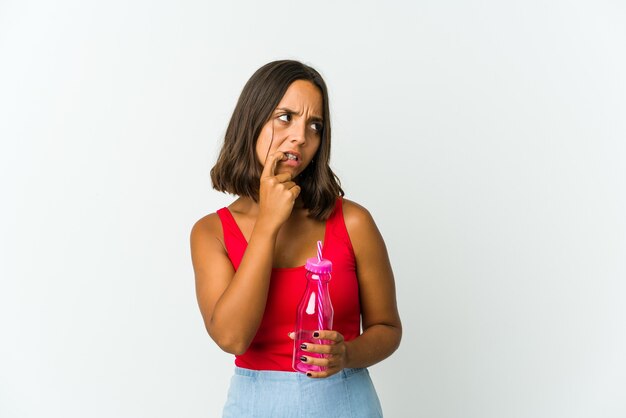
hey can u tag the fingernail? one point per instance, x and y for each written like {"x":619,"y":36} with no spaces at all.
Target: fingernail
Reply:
{"x":303,"y":359}
{"x":309,"y":374}
{"x":303,"y":346}
{"x":316,"y":334}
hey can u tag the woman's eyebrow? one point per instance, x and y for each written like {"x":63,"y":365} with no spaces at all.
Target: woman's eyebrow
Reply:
{"x":314,"y":118}
{"x":286,"y":110}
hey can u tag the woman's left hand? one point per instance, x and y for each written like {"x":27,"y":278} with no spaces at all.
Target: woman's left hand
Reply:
{"x":334,"y":350}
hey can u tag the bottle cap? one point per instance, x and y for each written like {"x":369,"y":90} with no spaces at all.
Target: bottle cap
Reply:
{"x":318,"y":266}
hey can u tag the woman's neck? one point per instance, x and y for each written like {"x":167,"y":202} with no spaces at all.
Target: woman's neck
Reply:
{"x":248,"y":206}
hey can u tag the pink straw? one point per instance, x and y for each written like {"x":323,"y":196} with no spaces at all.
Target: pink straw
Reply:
{"x":320,"y":313}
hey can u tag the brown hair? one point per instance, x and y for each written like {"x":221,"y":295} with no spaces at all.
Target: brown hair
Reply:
{"x":238,"y":171}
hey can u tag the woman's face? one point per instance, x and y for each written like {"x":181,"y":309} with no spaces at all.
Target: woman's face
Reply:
{"x":297,"y":128}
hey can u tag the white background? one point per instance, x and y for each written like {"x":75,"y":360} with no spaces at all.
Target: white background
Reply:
{"x":486,"y":138}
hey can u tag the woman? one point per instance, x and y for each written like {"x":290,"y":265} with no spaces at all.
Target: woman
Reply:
{"x":249,"y":258}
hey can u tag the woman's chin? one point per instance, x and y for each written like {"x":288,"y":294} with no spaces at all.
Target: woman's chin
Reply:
{"x":294,"y":171}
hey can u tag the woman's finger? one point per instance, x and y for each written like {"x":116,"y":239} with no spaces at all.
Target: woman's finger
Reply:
{"x":334,"y":336}
{"x":315,"y":361}
{"x":295,"y":190}
{"x":328,"y":361}
{"x":319,"y":348}
{"x":270,"y":164}
{"x":323,"y":374}
{"x":283,"y":177}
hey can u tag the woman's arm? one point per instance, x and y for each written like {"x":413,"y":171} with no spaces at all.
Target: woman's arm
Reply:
{"x":382,"y":329}
{"x":232,"y":303}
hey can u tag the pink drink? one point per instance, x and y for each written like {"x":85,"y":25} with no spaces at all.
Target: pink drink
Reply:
{"x":315,"y":311}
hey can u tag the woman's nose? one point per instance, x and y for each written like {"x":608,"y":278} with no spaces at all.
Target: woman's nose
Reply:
{"x":298,"y":133}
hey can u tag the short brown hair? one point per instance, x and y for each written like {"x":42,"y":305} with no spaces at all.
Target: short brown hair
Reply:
{"x":238,"y":171}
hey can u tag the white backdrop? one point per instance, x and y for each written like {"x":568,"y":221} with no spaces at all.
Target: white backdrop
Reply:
{"x":486,"y":138}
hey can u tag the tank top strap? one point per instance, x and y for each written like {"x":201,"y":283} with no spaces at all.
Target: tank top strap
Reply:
{"x":338,"y":241}
{"x":234,"y":240}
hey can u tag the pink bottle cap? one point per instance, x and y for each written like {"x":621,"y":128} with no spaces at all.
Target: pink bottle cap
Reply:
{"x":318,"y":266}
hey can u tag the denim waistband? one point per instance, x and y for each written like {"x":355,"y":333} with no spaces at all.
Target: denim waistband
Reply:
{"x":292,"y":376}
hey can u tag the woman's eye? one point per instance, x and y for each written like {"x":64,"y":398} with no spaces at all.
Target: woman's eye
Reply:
{"x":285,"y":118}
{"x":317,"y":127}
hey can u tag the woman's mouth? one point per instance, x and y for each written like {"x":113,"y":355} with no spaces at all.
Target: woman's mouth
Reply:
{"x":292,"y":159}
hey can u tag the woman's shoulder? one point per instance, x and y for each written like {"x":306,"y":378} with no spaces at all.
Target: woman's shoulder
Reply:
{"x":208,"y":226}
{"x":356,"y":216}
{"x":211,"y":224}
{"x":362,"y":230}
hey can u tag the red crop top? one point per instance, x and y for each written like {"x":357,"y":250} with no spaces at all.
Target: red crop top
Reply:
{"x":271,"y":348}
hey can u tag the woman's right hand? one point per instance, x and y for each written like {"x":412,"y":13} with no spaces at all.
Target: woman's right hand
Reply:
{"x":277,"y":193}
{"x":233,"y":301}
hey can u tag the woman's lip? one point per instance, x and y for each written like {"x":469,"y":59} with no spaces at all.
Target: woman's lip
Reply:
{"x":293,"y":163}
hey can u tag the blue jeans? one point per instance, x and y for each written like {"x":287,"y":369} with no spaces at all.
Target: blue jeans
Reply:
{"x":270,"y":394}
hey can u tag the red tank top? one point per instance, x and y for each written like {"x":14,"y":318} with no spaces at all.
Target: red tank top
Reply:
{"x":271,"y":348}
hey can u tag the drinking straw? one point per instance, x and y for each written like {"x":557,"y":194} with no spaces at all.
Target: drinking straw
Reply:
{"x":320,"y":312}
{"x":320,"y":293}
{"x":319,"y":251}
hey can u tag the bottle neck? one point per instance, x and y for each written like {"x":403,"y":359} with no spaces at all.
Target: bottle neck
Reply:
{"x":315,"y":278}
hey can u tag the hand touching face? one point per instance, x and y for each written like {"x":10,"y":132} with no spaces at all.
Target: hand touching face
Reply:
{"x":296,"y":128}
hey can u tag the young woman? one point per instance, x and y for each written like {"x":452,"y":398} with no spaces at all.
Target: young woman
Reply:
{"x":249,"y":258}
